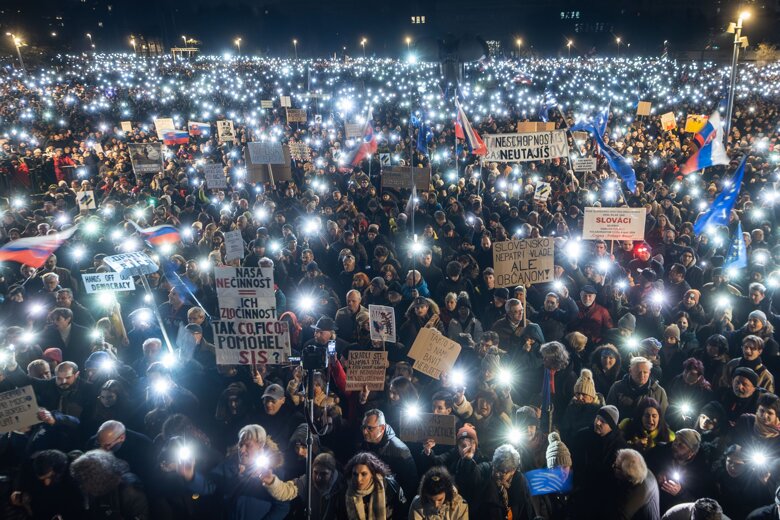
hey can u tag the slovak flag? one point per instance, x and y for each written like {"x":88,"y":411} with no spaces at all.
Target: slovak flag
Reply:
{"x":34,"y":251}
{"x":196,"y":128}
{"x":709,"y":142}
{"x":463,"y":130}
{"x":368,"y":143}
{"x":159,"y":235}
{"x":176,"y":137}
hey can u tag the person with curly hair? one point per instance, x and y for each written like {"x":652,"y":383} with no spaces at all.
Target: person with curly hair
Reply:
{"x":437,"y":498}
{"x":109,"y":487}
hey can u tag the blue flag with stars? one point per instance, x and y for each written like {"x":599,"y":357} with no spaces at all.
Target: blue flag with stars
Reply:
{"x":548,"y":102}
{"x":737,"y":254}
{"x":719,"y":212}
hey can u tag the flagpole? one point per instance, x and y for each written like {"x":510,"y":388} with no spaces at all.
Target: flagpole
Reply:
{"x":192,"y":294}
{"x":156,"y":312}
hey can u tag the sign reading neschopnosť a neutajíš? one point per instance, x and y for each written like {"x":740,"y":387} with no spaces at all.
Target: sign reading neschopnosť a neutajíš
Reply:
{"x":248,"y":331}
{"x":433,"y":353}
{"x":424,"y":426}
{"x":132,"y":264}
{"x":366,"y":368}
{"x":97,"y":282}
{"x":400,"y":178}
{"x":523,"y":262}
{"x":18,"y":409}
{"x":614,"y":224}
{"x":534,"y":146}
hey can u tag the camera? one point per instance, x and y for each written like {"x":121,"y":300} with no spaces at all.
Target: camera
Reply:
{"x":314,"y":357}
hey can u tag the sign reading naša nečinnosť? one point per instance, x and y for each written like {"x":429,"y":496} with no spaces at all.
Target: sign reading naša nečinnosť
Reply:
{"x":248,"y":331}
{"x":534,"y":146}
{"x":523,"y":262}
{"x":614,"y":224}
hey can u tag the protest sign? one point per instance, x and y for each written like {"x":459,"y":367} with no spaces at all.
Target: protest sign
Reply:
{"x":424,"y":426}
{"x":525,"y":127}
{"x":266,"y":152}
{"x":542,"y":193}
{"x":643,"y":108}
{"x":580,"y":137}
{"x":433,"y":353}
{"x":266,"y":103}
{"x":146,"y":157}
{"x":98,"y":148}
{"x":97,"y":282}
{"x":215,"y":176}
{"x":18,"y":409}
{"x":299,"y":151}
{"x":296,"y":115}
{"x":521,"y":262}
{"x":695,"y":122}
{"x":366,"y":368}
{"x":163,"y":125}
{"x":127,"y":126}
{"x":225,"y":132}
{"x":513,"y":148}
{"x":86,"y":199}
{"x":318,"y":119}
{"x":285,"y":101}
{"x":668,"y":121}
{"x":399,"y":178}
{"x":584,"y":164}
{"x":614,"y":224}
{"x":353,"y":130}
{"x":268,"y":172}
{"x":234,"y":245}
{"x":248,"y":332}
{"x":384,"y":159}
{"x":382,"y":323}
{"x":131,"y":264}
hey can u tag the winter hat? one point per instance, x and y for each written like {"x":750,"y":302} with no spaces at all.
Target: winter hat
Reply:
{"x":758,"y":315}
{"x":715,"y":411}
{"x":628,"y":321}
{"x":526,"y":416}
{"x":610,"y":415}
{"x":557,"y":452}
{"x":53,"y":354}
{"x":747,"y":373}
{"x":379,"y":282}
{"x":491,"y":361}
{"x":673,"y":331}
{"x":690,"y":438}
{"x":467,"y":431}
{"x":577,"y":340}
{"x":96,"y":359}
{"x":650,"y":345}
{"x":696,"y":294}
{"x":584,"y":384}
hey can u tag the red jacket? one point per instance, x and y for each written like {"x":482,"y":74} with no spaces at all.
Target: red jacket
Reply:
{"x":592,"y":321}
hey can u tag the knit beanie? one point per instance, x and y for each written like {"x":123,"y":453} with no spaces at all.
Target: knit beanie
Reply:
{"x":467,"y":431}
{"x":690,"y":438}
{"x":557,"y":452}
{"x":628,"y":322}
{"x":584,"y":384}
{"x":672,"y":330}
{"x":526,"y":416}
{"x":747,"y":373}
{"x":696,"y":294}
{"x":758,"y":315}
{"x":610,"y":415}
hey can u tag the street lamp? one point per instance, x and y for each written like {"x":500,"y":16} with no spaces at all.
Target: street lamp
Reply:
{"x":363,"y":43}
{"x":91,"y":43}
{"x":618,"y":44}
{"x":295,"y":46}
{"x":519,"y":43}
{"x":739,"y":42}
{"x":238,"y":44}
{"x":185,"y":40}
{"x":568,"y":46}
{"x":408,"y":43}
{"x":18,"y":43}
{"x":132,"y":42}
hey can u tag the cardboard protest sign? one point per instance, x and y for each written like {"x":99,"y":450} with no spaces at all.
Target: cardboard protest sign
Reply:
{"x":668,"y":121}
{"x":366,"y":368}
{"x":399,"y":178}
{"x":146,"y":157}
{"x":524,"y":127}
{"x":86,"y":199}
{"x":265,"y":172}
{"x":352,"y":130}
{"x":127,"y":126}
{"x":614,"y":224}
{"x":643,"y":108}
{"x":285,"y":101}
{"x":695,"y":122}
{"x":296,"y":115}
{"x":97,"y":282}
{"x":18,"y":409}
{"x":580,"y":137}
{"x":513,"y":148}
{"x":131,"y":264}
{"x":299,"y":151}
{"x":163,"y":125}
{"x":98,"y":148}
{"x":234,"y":245}
{"x":266,"y":103}
{"x":521,"y":262}
{"x":248,"y":331}
{"x":433,"y":353}
{"x":584,"y":164}
{"x":382,"y":320}
{"x":215,"y":176}
{"x":543,"y":191}
{"x":225,"y":132}
{"x":424,"y":426}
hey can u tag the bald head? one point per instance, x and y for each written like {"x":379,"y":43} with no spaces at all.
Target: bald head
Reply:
{"x":111,"y":435}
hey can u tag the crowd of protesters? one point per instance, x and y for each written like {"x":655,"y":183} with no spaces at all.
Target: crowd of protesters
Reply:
{"x":643,"y":373}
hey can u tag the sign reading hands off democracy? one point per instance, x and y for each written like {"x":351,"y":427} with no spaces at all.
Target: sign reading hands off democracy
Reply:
{"x":523,"y":262}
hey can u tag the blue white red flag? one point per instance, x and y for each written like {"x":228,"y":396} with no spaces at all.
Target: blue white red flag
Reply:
{"x":709,"y":142}
{"x":176,"y":137}
{"x":34,"y":251}
{"x":463,"y":130}
{"x":159,"y":235}
{"x":196,"y":128}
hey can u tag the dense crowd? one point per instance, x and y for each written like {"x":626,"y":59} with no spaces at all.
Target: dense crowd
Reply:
{"x":641,"y":377}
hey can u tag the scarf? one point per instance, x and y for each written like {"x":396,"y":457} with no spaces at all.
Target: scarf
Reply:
{"x":764,"y":431}
{"x":374,"y":509}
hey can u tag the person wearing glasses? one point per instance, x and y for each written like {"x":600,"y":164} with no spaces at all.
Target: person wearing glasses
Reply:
{"x":380,"y":439}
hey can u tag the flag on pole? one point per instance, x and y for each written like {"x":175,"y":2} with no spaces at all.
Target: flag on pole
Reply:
{"x":368,"y":143}
{"x":472,"y":138}
{"x":159,"y":235}
{"x":424,"y":134}
{"x":737,"y":255}
{"x":198,"y":128}
{"x":34,"y":251}
{"x":617,"y":162}
{"x":710,"y":150}
{"x":176,"y":137}
{"x":548,"y":102}
{"x":719,"y":212}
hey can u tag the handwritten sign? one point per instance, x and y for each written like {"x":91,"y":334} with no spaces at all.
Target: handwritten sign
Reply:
{"x":163,"y":125}
{"x":131,"y":264}
{"x":643,"y":108}
{"x":285,"y":101}
{"x":366,"y":368}
{"x":433,"y":353}
{"x":521,"y":262}
{"x":266,"y":103}
{"x":266,"y":152}
{"x":399,"y":178}
{"x":353,"y":130}
{"x":382,"y":320}
{"x":234,"y":245}
{"x":18,"y":409}
{"x":668,"y":121}
{"x":296,"y":115}
{"x":424,"y":426}
{"x":215,"y":176}
{"x":127,"y":126}
{"x":614,"y":224}
{"x":514,"y":148}
{"x":584,"y":164}
{"x":97,"y":282}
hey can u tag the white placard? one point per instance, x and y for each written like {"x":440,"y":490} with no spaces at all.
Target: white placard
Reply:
{"x":18,"y":409}
{"x":86,"y":199}
{"x":162,"y":125}
{"x":584,"y":164}
{"x":382,"y":320}
{"x":285,"y":101}
{"x":266,"y":103}
{"x":534,"y":146}
{"x":127,"y":126}
{"x":215,"y":176}
{"x":384,"y":159}
{"x":225,"y":132}
{"x":234,"y":245}
{"x":131,"y":264}
{"x":614,"y":224}
{"x":266,"y":152}
{"x":543,"y":190}
{"x":97,"y":282}
{"x":353,"y":130}
{"x":317,"y":119}
{"x":668,"y":121}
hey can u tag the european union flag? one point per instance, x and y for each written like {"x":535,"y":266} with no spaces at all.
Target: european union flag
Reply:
{"x":547,"y":481}
{"x":737,"y":254}
{"x":548,"y":102}
{"x":617,"y":162}
{"x":424,"y":133}
{"x":718,"y":214}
